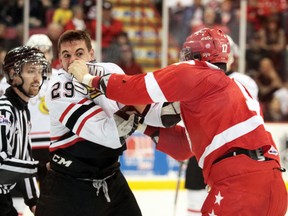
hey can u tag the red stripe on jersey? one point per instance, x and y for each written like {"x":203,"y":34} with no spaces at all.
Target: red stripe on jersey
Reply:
{"x":66,"y":111}
{"x":193,"y":210}
{"x":70,"y":107}
{"x":36,"y":133}
{"x":86,"y":119}
{"x":83,"y":101}
{"x":55,"y":138}
{"x":51,"y":149}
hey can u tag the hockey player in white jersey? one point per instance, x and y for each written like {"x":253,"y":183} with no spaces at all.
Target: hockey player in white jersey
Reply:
{"x":88,"y":133}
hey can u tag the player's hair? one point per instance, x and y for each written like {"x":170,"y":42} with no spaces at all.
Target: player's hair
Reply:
{"x":75,"y":35}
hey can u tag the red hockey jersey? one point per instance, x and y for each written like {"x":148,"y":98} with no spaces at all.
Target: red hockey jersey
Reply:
{"x":218,"y":112}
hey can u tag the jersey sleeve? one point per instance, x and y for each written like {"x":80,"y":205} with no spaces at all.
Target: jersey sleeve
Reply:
{"x":175,"y":82}
{"x":153,"y":116}
{"x":12,"y":169}
{"x":171,"y":141}
{"x":30,"y":190}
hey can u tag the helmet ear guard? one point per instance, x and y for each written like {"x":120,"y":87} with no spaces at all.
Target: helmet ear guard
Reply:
{"x":186,"y":54}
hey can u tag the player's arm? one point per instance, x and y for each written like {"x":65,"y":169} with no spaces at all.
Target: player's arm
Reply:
{"x":165,"y":114}
{"x":172,"y":141}
{"x":30,"y":191}
{"x":156,"y":114}
{"x":173,"y":83}
{"x":12,"y":169}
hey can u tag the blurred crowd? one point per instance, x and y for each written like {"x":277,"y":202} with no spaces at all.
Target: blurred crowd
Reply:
{"x":52,"y":17}
{"x":266,"y":48}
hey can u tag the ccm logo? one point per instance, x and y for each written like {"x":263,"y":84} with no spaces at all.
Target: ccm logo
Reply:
{"x":61,"y":161}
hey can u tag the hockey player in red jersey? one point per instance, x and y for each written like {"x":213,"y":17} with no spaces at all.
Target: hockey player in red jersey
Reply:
{"x":194,"y":182}
{"x":223,"y":125}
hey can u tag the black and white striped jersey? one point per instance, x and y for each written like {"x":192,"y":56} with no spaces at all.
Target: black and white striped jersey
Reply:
{"x":16,"y":163}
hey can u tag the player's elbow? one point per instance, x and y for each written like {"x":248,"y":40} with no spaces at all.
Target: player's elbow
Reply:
{"x":183,"y":156}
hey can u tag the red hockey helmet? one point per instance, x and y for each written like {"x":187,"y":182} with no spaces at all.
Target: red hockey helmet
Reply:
{"x":207,"y":44}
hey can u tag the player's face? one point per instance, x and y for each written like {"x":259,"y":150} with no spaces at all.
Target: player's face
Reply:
{"x":74,"y":50}
{"x":32,"y":78}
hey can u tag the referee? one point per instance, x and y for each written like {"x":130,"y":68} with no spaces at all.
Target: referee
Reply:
{"x":25,"y":69}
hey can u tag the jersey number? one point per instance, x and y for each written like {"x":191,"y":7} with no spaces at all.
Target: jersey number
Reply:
{"x":68,"y":90}
{"x":224,"y":48}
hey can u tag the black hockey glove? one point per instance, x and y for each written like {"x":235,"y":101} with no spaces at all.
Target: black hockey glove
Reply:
{"x":170,"y":114}
{"x":127,"y":120}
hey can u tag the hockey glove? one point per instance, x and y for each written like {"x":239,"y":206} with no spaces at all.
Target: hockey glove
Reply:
{"x":170,"y":114}
{"x":127,"y":120}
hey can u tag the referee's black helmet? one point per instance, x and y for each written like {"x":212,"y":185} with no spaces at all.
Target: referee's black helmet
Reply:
{"x":18,"y":56}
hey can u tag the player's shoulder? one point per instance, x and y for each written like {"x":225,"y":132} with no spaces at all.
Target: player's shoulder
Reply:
{"x":59,"y":75}
{"x":195,"y":63}
{"x":243,"y":78}
{"x":102,"y":68}
{"x":246,"y":81}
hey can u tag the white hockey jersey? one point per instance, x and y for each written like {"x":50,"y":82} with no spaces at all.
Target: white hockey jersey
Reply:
{"x":83,"y":127}
{"x":246,"y":81}
{"x":40,"y":120}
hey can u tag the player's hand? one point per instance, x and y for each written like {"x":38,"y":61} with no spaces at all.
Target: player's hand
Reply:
{"x":127,"y":120}
{"x":80,"y":71}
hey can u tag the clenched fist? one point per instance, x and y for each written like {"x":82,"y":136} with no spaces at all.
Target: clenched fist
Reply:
{"x":79,"y":70}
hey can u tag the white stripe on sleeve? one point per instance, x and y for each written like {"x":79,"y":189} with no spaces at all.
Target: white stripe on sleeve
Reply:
{"x":153,"y":88}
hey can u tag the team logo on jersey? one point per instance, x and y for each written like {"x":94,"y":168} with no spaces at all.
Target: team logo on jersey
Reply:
{"x":4,"y":120}
{"x":273,"y":151}
{"x":95,"y":70}
{"x":42,"y":106}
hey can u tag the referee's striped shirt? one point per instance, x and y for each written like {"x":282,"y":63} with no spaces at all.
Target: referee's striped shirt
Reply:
{"x":16,"y":163}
